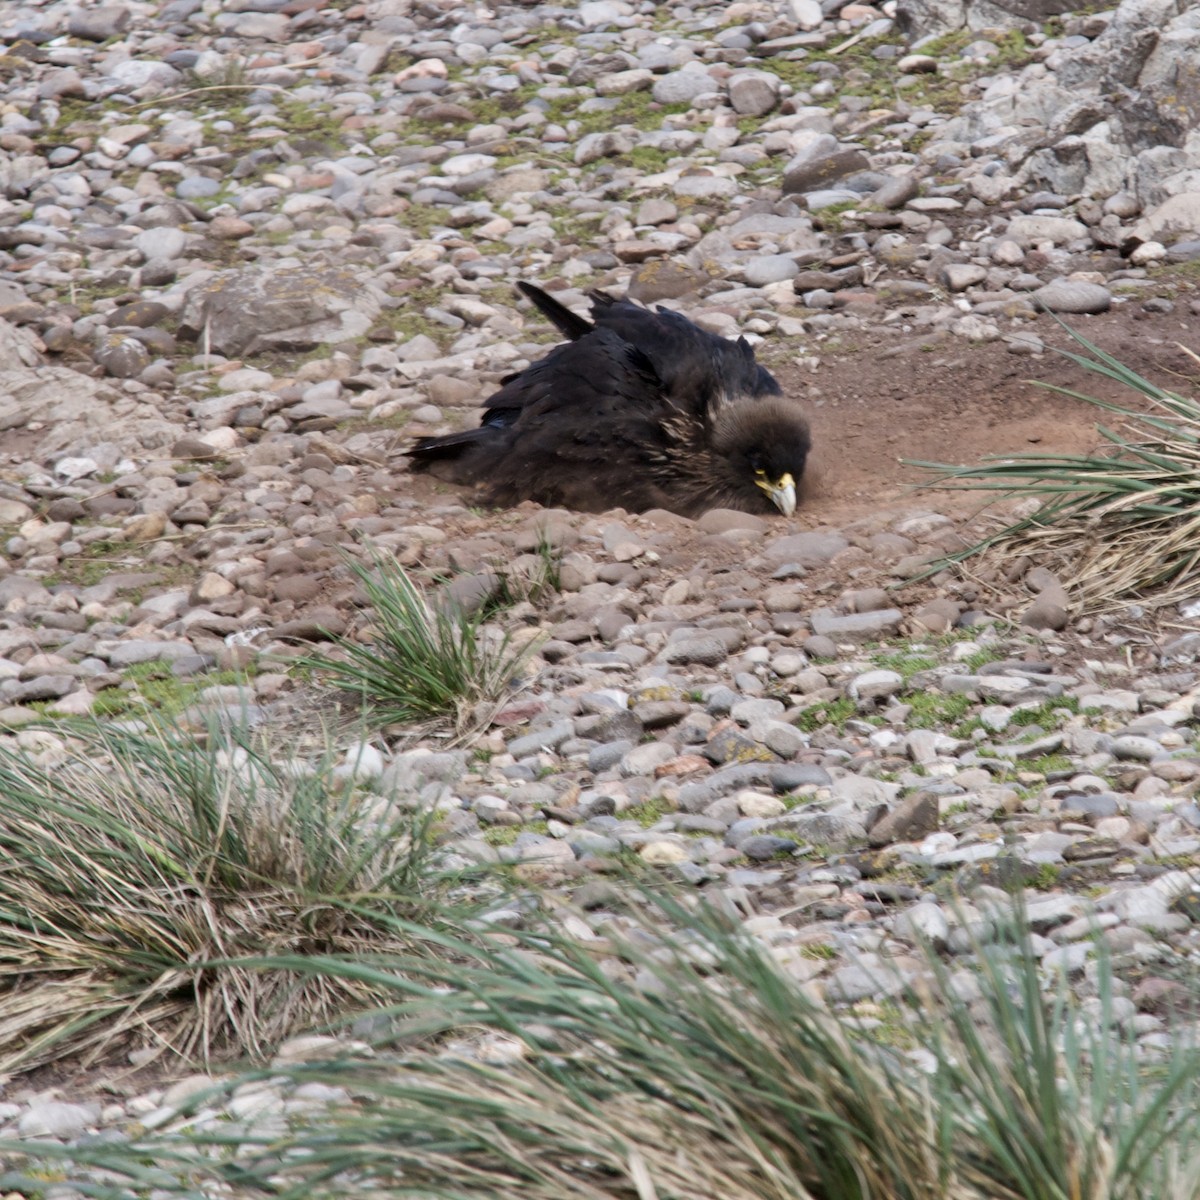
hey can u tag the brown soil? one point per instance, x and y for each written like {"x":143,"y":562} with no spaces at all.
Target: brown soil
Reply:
{"x":908,"y":397}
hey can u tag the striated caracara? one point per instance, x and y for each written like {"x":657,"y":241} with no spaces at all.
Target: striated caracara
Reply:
{"x":639,"y":409}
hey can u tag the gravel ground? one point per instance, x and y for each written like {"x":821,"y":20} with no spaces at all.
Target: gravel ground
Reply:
{"x":248,"y":249}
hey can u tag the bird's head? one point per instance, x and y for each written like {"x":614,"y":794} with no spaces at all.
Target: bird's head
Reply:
{"x":762,"y":445}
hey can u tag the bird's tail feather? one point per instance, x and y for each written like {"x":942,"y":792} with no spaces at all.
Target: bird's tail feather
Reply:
{"x":449,"y":445}
{"x":569,"y":324}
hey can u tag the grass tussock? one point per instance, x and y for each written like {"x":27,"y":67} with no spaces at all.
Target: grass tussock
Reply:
{"x":1119,"y":524}
{"x":691,"y":1067}
{"x":428,"y":663}
{"x":133,"y":865}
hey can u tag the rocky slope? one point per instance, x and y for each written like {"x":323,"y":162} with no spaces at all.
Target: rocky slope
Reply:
{"x":248,"y":249}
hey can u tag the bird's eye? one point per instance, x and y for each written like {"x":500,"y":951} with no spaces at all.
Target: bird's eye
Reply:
{"x":759,"y":473}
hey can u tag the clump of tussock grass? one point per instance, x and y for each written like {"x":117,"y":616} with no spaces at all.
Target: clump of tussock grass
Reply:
{"x":687,"y":1064}
{"x":136,"y":865}
{"x":427,"y":662}
{"x":1119,"y":524}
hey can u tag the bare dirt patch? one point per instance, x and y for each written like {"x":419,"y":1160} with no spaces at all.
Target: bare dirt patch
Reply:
{"x":906,"y":397}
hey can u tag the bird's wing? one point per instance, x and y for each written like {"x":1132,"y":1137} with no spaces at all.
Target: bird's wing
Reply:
{"x":587,"y":426}
{"x":596,"y":378}
{"x":569,"y":324}
{"x":700,"y":371}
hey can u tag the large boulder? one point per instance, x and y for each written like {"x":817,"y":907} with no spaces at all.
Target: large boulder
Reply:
{"x":920,"y":18}
{"x":71,"y":411}
{"x":291,"y":308}
{"x":1120,"y":113}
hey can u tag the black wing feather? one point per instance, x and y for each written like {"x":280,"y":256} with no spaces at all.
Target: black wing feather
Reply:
{"x":641,"y":408}
{"x":569,"y":324}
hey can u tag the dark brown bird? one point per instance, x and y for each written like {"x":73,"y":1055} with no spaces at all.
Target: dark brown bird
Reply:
{"x":639,"y":409}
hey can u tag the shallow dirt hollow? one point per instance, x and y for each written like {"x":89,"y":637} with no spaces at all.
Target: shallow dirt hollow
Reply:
{"x":923,"y":398}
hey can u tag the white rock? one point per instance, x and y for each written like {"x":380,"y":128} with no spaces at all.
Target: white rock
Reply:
{"x":923,"y":922}
{"x":755,"y":804}
{"x":362,"y":761}
{"x":75,"y":468}
{"x":663,"y":853}
{"x":55,"y":1118}
{"x":806,"y":13}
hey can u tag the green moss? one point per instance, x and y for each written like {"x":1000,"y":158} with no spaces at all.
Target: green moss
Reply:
{"x":150,"y":687}
{"x":93,"y":563}
{"x":981,"y":657}
{"x":648,"y":159}
{"x":649,"y":812}
{"x":906,"y":663}
{"x":827,"y":712}
{"x":891,"y":1024}
{"x":930,"y":710}
{"x":1047,"y":764}
{"x":1052,"y":714}
{"x":1047,"y":877}
{"x":830,"y":219}
{"x":505,"y":835}
{"x":964,"y":729}
{"x":819,"y":951}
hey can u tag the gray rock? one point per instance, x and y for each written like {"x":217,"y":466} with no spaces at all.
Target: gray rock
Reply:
{"x":896,"y":193}
{"x":875,"y":685}
{"x":960,"y":276}
{"x":807,"y":14}
{"x":98,"y":24}
{"x":707,"y":651}
{"x":121,"y":356}
{"x":868,"y":976}
{"x":822,"y":829}
{"x":1176,"y":215}
{"x":763,"y":846}
{"x":855,"y":627}
{"x":41,"y":687}
{"x":681,"y":87}
{"x":601,"y":758}
{"x":805,"y":174}
{"x":246,"y":312}
{"x":810,"y":549}
{"x":541,"y":739}
{"x":913,"y":818}
{"x":1132,"y":746}
{"x":1029,"y":230}
{"x":1069,"y":296}
{"x":55,"y":1118}
{"x":753,"y":93}
{"x":924,"y":922}
{"x":770,"y":268}
{"x":161,"y":243}
{"x":745,"y":712}
{"x":606,"y":144}
{"x":130,"y":653}
{"x":642,"y":760}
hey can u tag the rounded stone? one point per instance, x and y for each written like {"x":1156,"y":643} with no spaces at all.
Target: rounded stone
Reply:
{"x":876,"y":685}
{"x":681,"y":87}
{"x":1071,"y":296}
{"x":770,"y":268}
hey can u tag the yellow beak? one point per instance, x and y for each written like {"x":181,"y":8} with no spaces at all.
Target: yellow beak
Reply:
{"x":782,"y":493}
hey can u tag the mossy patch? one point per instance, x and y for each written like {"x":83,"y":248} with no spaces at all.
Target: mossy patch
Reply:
{"x":827,"y":712}
{"x":905,"y":662}
{"x":931,"y":710}
{"x":151,"y":687}
{"x":505,"y":835}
